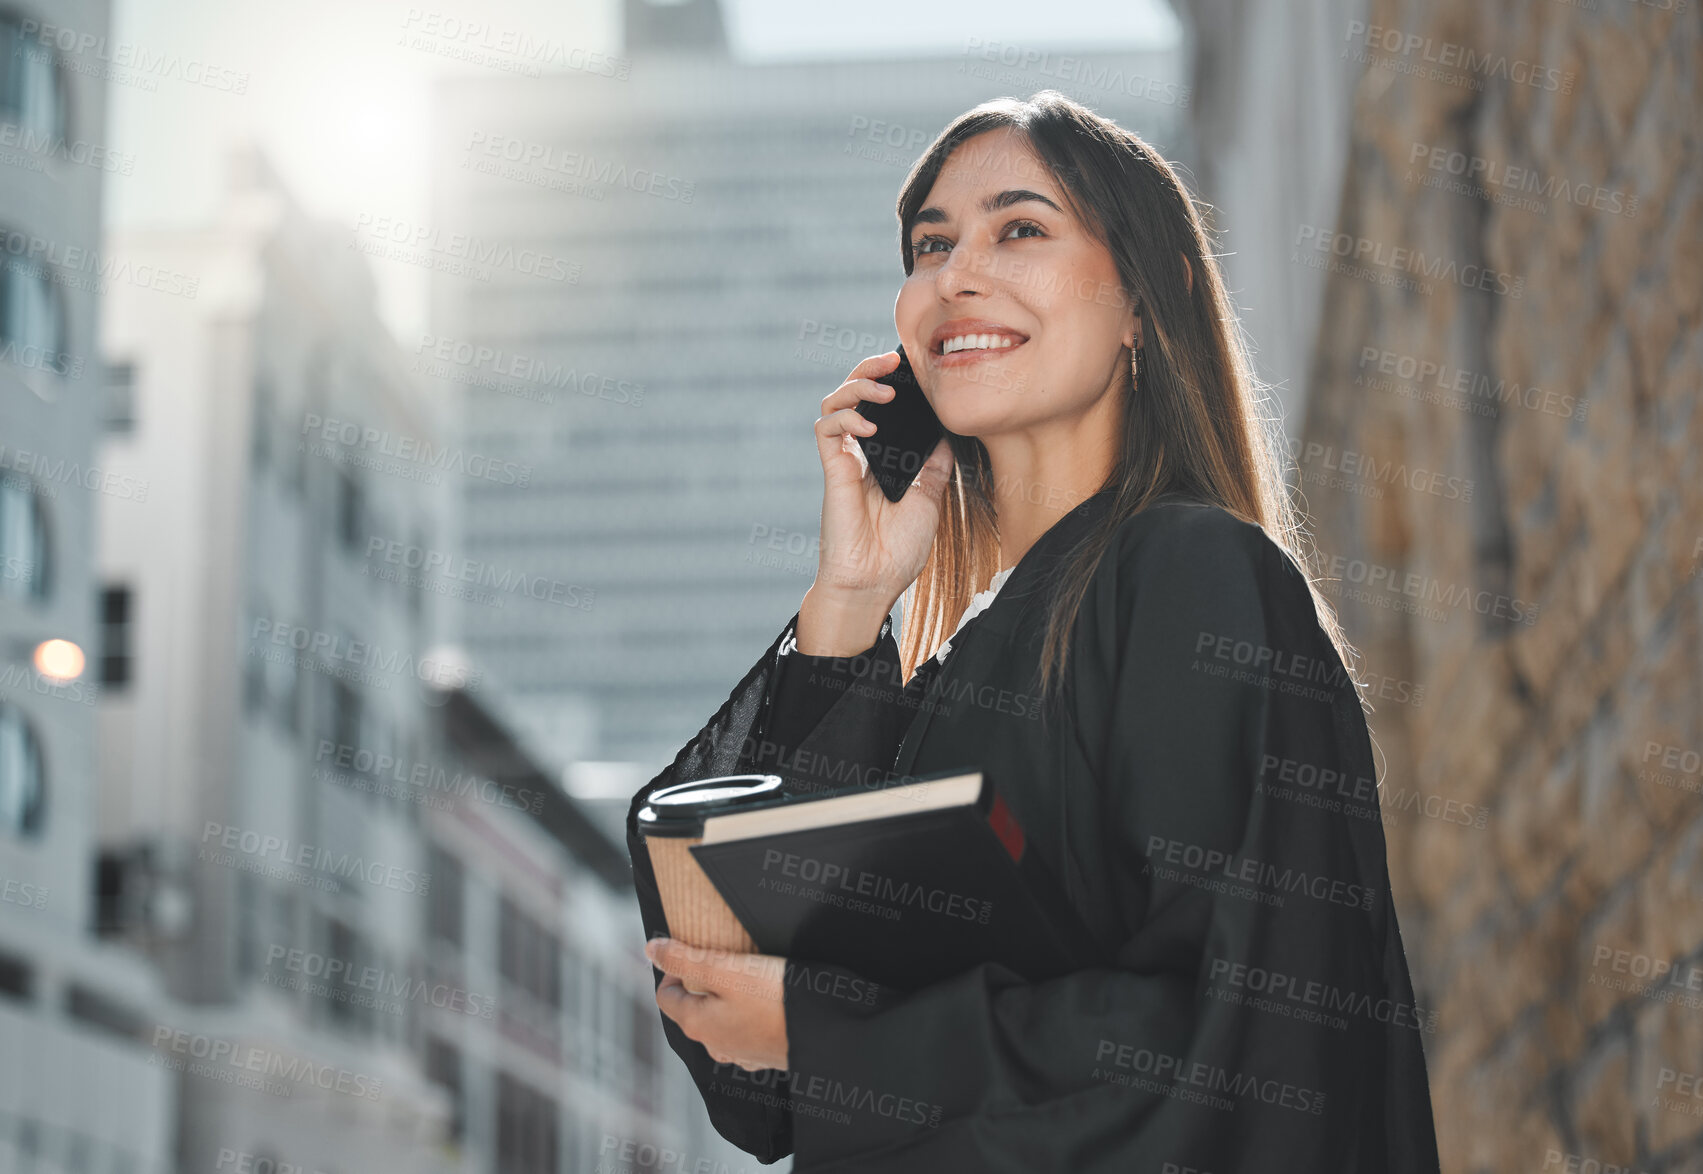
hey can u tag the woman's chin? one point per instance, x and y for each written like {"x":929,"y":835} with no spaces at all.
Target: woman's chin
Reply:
{"x":970,"y":411}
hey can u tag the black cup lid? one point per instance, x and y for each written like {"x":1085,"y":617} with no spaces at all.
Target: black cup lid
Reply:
{"x":679,"y":810}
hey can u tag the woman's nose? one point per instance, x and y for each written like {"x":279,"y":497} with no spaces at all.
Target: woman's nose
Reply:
{"x":969,"y":269}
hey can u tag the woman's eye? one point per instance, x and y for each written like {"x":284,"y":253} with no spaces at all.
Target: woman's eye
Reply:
{"x":921,"y":246}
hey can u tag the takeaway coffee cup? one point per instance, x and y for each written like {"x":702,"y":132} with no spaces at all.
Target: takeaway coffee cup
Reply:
{"x":671,"y":823}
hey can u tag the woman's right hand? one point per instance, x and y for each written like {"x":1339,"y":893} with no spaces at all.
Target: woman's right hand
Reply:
{"x":871,"y":548}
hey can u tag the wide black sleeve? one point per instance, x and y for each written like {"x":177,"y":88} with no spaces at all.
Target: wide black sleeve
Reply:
{"x":838,"y":733}
{"x":1257,"y":1015}
{"x":868,"y":703}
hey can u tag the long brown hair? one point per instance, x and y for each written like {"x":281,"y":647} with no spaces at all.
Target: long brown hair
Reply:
{"x":1195,"y":425}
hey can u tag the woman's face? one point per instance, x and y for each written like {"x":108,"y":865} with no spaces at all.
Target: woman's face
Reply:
{"x":1000,"y":260}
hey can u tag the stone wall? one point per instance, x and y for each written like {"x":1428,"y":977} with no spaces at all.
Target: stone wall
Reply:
{"x":1503,"y":455}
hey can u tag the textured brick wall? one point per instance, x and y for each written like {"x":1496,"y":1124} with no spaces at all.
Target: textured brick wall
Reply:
{"x":1552,"y":462}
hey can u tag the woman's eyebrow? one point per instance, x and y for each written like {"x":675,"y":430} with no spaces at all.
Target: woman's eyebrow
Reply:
{"x":993,"y":203}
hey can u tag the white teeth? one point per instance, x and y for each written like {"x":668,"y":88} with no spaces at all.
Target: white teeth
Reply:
{"x":980,"y":342}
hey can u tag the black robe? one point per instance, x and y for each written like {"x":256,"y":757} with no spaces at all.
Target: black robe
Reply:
{"x":1206,"y":793}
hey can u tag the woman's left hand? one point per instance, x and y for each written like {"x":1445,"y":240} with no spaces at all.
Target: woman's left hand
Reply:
{"x":741,"y":1017}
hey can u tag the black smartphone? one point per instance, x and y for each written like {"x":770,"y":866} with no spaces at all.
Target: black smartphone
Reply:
{"x":906,"y":430}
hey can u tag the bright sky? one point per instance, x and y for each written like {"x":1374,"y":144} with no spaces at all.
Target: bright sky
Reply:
{"x":339,"y":102}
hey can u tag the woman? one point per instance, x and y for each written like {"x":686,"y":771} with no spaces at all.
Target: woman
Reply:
{"x":1142,"y":666}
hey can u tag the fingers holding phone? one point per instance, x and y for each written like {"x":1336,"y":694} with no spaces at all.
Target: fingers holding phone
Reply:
{"x":882,"y":493}
{"x":841,"y":423}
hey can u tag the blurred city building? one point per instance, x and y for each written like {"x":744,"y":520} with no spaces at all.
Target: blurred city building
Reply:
{"x":249,"y":637}
{"x":77,"y":1091}
{"x":431,"y":967}
{"x":1267,"y":147}
{"x":670,"y":257}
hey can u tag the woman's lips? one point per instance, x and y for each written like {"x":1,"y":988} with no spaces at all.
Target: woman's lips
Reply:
{"x":973,"y":355}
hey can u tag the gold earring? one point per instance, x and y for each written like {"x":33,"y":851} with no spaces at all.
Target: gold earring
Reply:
{"x":1135,"y":365}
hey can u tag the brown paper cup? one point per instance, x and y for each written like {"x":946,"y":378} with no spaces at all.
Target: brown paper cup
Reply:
{"x":691,"y":904}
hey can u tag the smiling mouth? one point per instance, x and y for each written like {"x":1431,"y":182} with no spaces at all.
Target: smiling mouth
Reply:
{"x":976,"y":346}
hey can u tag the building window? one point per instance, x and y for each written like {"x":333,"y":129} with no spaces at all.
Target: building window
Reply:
{"x":263,"y":424}
{"x":349,"y":510}
{"x":528,"y":955}
{"x":345,"y":715}
{"x":32,"y":318}
{"x":646,"y":1028}
{"x":571,"y":985}
{"x":342,"y":946}
{"x":115,"y":636}
{"x":23,"y":785}
{"x":416,"y":583}
{"x":284,"y":687}
{"x":111,"y":868}
{"x":526,"y":1129}
{"x":23,"y":539}
{"x":32,"y":87}
{"x":249,"y":898}
{"x":443,"y":1068}
{"x":17,"y":977}
{"x":443,"y":907}
{"x":254,"y":682}
{"x":120,"y":414}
